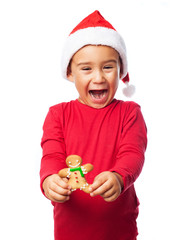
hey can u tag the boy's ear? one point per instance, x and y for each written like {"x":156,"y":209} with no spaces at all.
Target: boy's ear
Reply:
{"x":121,"y":72}
{"x":121,"y":75}
{"x":121,"y":68}
{"x":70,"y":77}
{"x":69,"y":73}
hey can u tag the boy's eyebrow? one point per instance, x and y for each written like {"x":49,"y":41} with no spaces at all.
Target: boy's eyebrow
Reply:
{"x":110,"y":60}
{"x":88,"y":63}
{"x":83,"y":63}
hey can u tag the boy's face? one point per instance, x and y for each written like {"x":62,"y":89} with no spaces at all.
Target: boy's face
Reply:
{"x":95,"y":70}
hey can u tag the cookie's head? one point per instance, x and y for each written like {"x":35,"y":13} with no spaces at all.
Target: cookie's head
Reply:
{"x":73,"y":161}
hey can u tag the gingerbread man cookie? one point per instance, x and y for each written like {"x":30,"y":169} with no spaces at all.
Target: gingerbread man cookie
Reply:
{"x":75,"y":172}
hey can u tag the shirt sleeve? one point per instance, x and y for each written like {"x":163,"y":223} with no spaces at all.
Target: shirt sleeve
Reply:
{"x":53,"y":146}
{"x":130,"y":157}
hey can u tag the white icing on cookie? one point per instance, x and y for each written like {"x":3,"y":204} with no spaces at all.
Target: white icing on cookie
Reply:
{"x":84,"y":170}
{"x":84,"y":186}
{"x":69,"y":173}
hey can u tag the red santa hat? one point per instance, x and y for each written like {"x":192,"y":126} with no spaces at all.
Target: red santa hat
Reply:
{"x":94,"y":30}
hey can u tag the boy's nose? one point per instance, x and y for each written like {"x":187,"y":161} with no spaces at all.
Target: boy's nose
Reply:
{"x":98,"y":77}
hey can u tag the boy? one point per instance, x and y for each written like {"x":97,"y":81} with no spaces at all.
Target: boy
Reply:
{"x":108,"y":133}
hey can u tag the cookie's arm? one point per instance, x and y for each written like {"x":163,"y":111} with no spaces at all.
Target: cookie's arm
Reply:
{"x":87,"y":168}
{"x":64,"y":172}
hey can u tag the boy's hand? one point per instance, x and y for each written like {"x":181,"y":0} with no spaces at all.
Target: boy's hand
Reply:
{"x":56,"y":188}
{"x":108,"y":185}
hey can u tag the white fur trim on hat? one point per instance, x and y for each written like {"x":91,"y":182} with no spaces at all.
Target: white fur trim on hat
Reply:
{"x":93,"y":36}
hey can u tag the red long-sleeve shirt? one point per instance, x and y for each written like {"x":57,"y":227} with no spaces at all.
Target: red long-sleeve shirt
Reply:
{"x":112,"y":139}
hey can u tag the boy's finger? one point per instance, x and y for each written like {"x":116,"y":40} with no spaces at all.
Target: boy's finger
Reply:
{"x":60,"y":190}
{"x":101,"y":189}
{"x":58,"y":197}
{"x":96,"y":184}
{"x":65,"y":179}
{"x":109,"y":193}
{"x":63,"y":182}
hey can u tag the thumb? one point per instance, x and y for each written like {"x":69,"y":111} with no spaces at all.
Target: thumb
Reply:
{"x":65,"y":179}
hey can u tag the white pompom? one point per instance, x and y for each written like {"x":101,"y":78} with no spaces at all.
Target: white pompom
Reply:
{"x":129,"y":90}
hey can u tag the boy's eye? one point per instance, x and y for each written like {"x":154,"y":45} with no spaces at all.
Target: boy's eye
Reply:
{"x":86,"y":68}
{"x":108,"y":67}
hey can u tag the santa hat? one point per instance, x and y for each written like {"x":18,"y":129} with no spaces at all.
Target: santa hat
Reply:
{"x":94,"y":30}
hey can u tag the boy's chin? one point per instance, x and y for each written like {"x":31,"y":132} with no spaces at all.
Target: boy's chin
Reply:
{"x":96,"y":103}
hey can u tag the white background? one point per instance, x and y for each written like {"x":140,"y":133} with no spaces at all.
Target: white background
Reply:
{"x":161,"y":43}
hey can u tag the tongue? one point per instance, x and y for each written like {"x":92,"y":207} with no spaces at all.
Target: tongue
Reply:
{"x":97,"y":94}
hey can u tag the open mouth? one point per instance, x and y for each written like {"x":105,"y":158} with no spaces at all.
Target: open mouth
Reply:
{"x":98,"y":94}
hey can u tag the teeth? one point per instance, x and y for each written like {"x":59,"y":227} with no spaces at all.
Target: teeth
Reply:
{"x":98,"y":94}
